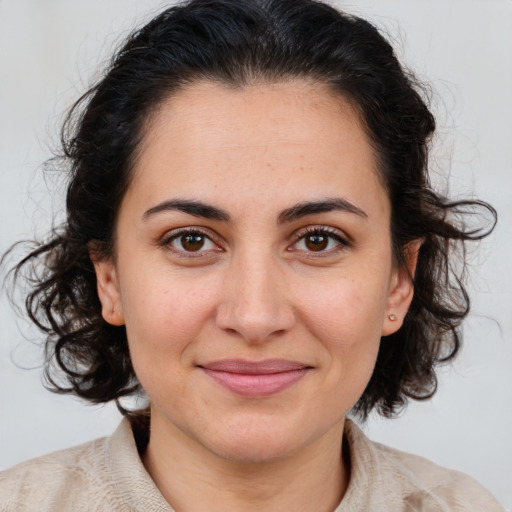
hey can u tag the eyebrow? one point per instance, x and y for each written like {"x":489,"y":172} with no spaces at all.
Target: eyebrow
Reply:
{"x":298,"y":211}
{"x":195,"y":208}
{"x":313,"y":207}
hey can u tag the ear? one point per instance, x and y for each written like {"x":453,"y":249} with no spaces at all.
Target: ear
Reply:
{"x":401,"y":290}
{"x":108,"y":288}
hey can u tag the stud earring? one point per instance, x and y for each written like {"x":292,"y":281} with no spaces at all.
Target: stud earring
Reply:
{"x":392,"y":317}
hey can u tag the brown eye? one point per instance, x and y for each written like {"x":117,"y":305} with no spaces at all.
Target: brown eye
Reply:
{"x":316,"y":242}
{"x":192,"y":241}
{"x":322,"y":240}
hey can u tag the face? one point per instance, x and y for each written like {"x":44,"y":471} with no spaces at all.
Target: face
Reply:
{"x":253,"y":267}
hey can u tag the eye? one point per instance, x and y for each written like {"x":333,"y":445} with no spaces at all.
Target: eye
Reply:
{"x":320,"y":240}
{"x":190,"y":242}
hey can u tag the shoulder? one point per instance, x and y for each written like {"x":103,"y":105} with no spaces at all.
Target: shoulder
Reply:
{"x":64,"y":480}
{"x":424,"y":481}
{"x":413,"y":483}
{"x":99,"y":476}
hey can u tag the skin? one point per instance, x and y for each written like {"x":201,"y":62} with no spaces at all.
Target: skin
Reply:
{"x":259,"y":287}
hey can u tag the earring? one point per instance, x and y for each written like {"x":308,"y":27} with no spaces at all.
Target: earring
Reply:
{"x":392,"y":317}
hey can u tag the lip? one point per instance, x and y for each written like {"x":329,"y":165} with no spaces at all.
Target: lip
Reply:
{"x":255,"y":378}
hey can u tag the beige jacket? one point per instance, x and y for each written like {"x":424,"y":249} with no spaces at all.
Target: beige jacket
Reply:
{"x":107,"y":475}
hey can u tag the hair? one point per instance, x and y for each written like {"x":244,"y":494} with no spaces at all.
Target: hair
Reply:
{"x":240,"y":43}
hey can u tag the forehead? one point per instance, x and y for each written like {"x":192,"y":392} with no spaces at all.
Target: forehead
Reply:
{"x":281,"y":138}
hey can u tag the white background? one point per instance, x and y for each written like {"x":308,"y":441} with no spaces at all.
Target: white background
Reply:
{"x":50,"y":51}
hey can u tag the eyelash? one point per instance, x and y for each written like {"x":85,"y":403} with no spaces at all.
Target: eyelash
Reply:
{"x":177,"y":234}
{"x":330,"y":233}
{"x":320,"y":231}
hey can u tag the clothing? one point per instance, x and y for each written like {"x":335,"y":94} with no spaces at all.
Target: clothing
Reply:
{"x":107,"y":475}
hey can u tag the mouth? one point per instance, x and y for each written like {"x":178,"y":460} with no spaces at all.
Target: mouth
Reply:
{"x":255,"y":379}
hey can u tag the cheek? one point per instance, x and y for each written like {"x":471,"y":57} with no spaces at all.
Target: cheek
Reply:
{"x":345,"y":314}
{"x":164,"y":318}
{"x":165,"y":315}
{"x":344,"y":311}
{"x":346,"y":326}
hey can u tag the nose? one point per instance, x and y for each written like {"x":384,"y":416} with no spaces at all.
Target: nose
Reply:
{"x":256,"y":305}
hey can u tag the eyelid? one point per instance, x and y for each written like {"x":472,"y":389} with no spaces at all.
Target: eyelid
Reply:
{"x":173,"y":234}
{"x":343,"y":239}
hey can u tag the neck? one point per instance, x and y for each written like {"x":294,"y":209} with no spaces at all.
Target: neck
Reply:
{"x":193,"y":479}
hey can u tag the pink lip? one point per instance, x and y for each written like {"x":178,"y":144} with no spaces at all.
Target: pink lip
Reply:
{"x":254,"y":379}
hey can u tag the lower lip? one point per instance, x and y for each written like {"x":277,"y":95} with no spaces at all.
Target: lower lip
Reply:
{"x":256,"y":385}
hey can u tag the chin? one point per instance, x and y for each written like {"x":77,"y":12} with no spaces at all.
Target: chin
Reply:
{"x":256,"y":442}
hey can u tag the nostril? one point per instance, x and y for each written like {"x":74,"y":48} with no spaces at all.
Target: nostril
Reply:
{"x":255,"y":313}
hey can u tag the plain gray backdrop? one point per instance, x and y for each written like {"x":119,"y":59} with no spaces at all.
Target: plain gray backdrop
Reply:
{"x":49,"y":53}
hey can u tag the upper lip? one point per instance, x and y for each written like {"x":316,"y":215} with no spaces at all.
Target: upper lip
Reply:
{"x":265,"y":367}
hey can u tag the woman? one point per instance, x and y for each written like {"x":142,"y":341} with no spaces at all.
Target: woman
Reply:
{"x":252,"y":241}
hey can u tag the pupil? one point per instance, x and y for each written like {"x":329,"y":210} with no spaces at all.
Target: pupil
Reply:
{"x":192,"y":242}
{"x":317,"y":242}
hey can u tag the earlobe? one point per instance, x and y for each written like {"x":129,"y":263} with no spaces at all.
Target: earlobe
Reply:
{"x":401,"y":290}
{"x":108,"y":290}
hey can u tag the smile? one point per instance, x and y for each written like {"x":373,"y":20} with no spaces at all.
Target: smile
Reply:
{"x":255,"y":379}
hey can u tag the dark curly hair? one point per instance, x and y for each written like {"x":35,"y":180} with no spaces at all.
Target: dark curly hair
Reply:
{"x":241,"y":42}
